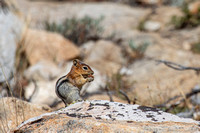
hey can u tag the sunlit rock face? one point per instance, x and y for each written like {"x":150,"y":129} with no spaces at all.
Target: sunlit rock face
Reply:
{"x":105,"y":116}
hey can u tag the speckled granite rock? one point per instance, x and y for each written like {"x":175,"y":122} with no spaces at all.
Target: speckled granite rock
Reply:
{"x":105,"y":116}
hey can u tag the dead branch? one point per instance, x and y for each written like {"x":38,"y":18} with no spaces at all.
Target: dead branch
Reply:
{"x":168,"y":105}
{"x":125,"y":95}
{"x":178,"y":66}
{"x":108,"y":93}
{"x":120,"y":91}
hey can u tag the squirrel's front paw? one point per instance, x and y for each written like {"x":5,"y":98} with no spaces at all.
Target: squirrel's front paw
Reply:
{"x":90,"y":78}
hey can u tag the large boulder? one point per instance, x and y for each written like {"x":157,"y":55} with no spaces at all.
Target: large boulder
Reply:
{"x":43,"y":70}
{"x":43,"y":45}
{"x":152,"y":26}
{"x":117,"y":17}
{"x":41,"y":92}
{"x":10,"y":34}
{"x":13,"y":111}
{"x":104,"y":116}
{"x":155,"y":83}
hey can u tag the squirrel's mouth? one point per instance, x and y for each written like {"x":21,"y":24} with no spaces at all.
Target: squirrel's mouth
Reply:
{"x":87,"y":75}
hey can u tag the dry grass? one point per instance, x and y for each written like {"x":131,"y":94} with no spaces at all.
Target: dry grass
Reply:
{"x":21,"y":63}
{"x":4,"y":122}
{"x":119,"y":85}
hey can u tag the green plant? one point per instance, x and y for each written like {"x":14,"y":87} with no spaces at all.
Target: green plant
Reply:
{"x":6,"y":125}
{"x":141,"y":24}
{"x":173,"y":2}
{"x":138,"y":49}
{"x":77,"y":30}
{"x":188,"y":19}
{"x":196,"y":48}
{"x":178,"y":109}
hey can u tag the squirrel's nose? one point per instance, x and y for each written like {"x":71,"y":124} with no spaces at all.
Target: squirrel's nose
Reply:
{"x":92,"y":72}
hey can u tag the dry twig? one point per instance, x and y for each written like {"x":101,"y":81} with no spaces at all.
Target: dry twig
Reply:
{"x":108,"y":93}
{"x":169,"y":106}
{"x":125,"y":95}
{"x":178,"y":66}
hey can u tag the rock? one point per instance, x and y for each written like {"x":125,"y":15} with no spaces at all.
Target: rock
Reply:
{"x":195,"y":99}
{"x":117,"y":17}
{"x":181,"y":39}
{"x":153,"y":83}
{"x":194,"y":7}
{"x":43,"y":70}
{"x":104,"y":116}
{"x":187,"y":45}
{"x":152,"y":26}
{"x":44,"y":92}
{"x":136,"y":39}
{"x":164,"y":15}
{"x":186,"y":114}
{"x":10,"y":34}
{"x":42,"y":45}
{"x":151,"y":2}
{"x":196,"y":115}
{"x":159,"y":82}
{"x":105,"y":96}
{"x":104,"y":56}
{"x":13,"y":111}
{"x":125,"y":71}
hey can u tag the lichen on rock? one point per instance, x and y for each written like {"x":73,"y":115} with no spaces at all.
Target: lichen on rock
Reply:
{"x":101,"y":115}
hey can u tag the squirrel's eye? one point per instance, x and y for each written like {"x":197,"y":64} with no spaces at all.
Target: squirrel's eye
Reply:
{"x":85,"y":68}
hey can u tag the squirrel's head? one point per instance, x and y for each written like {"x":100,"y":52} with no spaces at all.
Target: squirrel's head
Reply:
{"x":82,"y":68}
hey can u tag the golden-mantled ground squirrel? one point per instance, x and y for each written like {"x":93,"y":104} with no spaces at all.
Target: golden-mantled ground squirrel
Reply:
{"x":68,"y":87}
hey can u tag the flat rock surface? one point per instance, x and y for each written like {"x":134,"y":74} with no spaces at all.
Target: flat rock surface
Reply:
{"x":105,"y":116}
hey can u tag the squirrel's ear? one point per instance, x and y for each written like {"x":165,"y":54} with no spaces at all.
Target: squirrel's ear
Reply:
{"x":75,"y":62}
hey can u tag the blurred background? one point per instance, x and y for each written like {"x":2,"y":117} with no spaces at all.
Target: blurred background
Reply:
{"x":128,"y":44}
